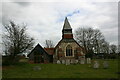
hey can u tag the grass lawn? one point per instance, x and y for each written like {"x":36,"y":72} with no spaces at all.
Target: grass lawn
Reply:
{"x":25,"y":70}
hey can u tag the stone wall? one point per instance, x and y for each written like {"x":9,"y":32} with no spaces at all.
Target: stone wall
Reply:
{"x":60,"y":51}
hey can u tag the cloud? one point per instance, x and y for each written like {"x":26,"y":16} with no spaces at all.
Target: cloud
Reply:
{"x":45,"y":19}
{"x":23,"y":3}
{"x":61,"y":0}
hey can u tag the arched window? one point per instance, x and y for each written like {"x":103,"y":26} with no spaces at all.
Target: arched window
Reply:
{"x":69,"y":51}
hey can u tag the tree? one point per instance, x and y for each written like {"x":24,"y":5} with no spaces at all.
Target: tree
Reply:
{"x":84,"y":37}
{"x":98,"y":41}
{"x":49,"y":44}
{"x":105,"y":47}
{"x":118,"y":48}
{"x":16,"y":40}
{"x":90,"y":39}
{"x":113,"y":48}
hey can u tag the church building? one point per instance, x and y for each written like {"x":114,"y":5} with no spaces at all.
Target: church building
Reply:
{"x":66,"y":49}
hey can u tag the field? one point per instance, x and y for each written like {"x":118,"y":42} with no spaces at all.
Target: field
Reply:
{"x":25,"y":70}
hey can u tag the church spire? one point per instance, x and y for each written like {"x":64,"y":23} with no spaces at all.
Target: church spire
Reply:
{"x":66,"y":24}
{"x":67,"y":30}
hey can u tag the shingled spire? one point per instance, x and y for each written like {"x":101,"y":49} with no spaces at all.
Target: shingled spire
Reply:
{"x":67,"y":30}
{"x":66,"y":24}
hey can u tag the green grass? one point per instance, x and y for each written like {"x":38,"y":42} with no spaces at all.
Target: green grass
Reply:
{"x":25,"y":70}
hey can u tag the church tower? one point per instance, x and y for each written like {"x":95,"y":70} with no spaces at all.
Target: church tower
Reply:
{"x":67,"y":30}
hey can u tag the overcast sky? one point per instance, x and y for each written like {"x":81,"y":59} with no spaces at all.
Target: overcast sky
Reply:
{"x":45,"y":19}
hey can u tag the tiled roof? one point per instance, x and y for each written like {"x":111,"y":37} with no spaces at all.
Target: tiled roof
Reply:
{"x":50,"y":51}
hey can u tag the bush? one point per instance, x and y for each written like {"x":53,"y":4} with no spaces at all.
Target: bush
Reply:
{"x":8,"y":60}
{"x":89,"y":54}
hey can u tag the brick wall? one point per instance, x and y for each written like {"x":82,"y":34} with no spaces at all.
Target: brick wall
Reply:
{"x":67,"y":35}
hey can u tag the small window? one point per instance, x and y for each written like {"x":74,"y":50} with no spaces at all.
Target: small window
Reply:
{"x":69,"y":51}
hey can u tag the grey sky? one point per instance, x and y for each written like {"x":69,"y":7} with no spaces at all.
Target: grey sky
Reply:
{"x":45,"y":19}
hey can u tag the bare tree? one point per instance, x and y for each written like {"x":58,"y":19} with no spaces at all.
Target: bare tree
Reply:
{"x":82,"y":37}
{"x":113,"y":48}
{"x":16,"y":40}
{"x":104,"y":46}
{"x":98,"y":41}
{"x":118,"y":48}
{"x":90,"y":39}
{"x":49,"y":44}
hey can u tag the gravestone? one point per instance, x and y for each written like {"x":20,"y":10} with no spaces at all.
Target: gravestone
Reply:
{"x":96,"y":65}
{"x":88,"y":60}
{"x":63,"y":61}
{"x":76,"y":61}
{"x":36,"y":68}
{"x":105,"y":64}
{"x":58,"y":62}
{"x":82,"y":61}
{"x":71,"y":61}
{"x":79,"y":61}
{"x":67,"y":62}
{"x":79,"y":57}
